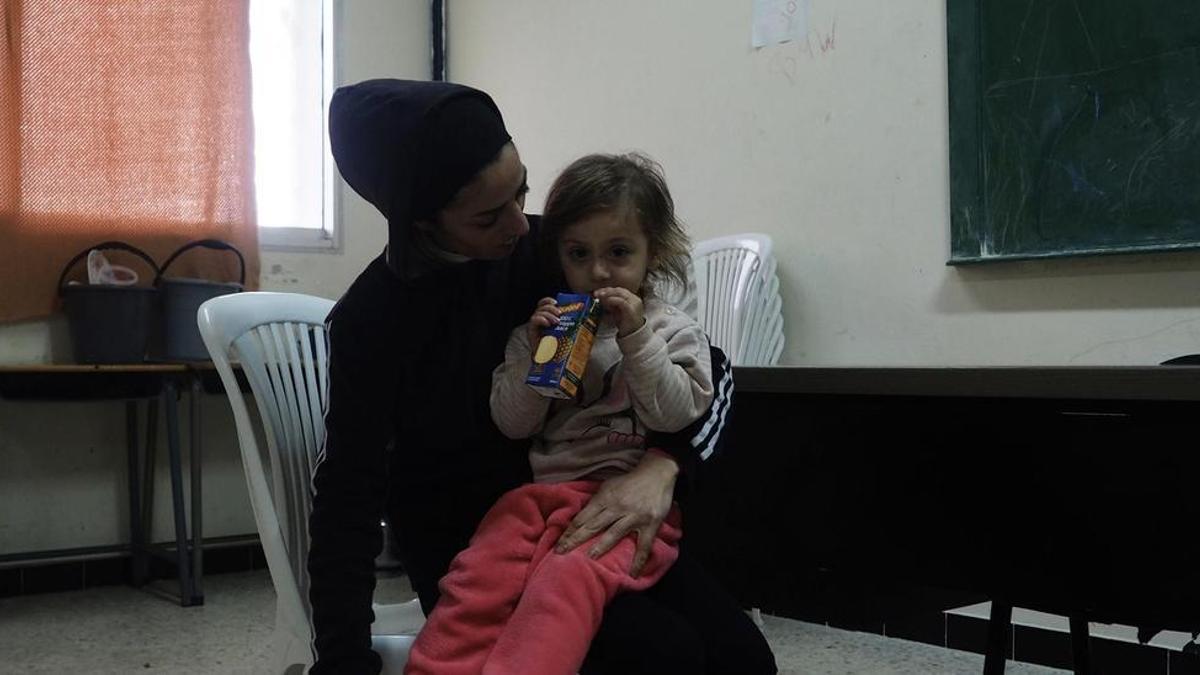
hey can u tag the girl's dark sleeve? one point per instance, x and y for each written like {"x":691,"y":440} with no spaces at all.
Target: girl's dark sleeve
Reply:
{"x":350,"y":491}
{"x":702,"y":439}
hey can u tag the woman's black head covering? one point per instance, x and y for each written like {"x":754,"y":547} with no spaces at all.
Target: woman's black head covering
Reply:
{"x":407,"y":147}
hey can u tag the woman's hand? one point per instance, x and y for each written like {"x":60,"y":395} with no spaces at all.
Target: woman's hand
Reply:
{"x":626,"y":308}
{"x":545,"y":316}
{"x":634,"y":503}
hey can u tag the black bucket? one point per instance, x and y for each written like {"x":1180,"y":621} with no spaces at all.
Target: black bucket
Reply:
{"x":181,"y":299}
{"x":108,"y":324}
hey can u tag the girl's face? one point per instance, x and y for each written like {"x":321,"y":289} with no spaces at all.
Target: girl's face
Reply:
{"x":486,"y":218}
{"x":605,"y":249}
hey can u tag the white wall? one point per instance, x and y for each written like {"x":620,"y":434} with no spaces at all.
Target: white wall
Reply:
{"x":62,"y":466}
{"x":837,"y":147}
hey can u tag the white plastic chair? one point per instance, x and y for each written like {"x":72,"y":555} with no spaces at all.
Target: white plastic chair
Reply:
{"x":736,"y":297}
{"x":282,"y":346}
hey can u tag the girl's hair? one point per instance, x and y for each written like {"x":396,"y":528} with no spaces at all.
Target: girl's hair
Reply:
{"x":631,"y":184}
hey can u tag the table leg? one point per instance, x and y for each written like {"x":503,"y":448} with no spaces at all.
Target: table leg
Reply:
{"x":1079,"y":645}
{"x":197,"y":493}
{"x":999,"y":637}
{"x":148,"y":463}
{"x":183,"y":556}
{"x":137,"y":542}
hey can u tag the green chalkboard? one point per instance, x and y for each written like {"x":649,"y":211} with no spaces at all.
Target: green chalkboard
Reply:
{"x":1074,"y":127}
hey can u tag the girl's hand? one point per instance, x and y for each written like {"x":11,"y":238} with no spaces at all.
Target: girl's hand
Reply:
{"x":626,"y":308}
{"x":545,"y":316}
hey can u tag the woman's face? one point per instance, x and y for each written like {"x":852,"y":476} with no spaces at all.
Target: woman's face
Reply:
{"x":486,"y":218}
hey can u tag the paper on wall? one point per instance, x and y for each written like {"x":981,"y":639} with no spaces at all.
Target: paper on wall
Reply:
{"x":778,"y":21}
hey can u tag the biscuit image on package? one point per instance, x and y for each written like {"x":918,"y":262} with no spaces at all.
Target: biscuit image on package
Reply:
{"x":561,"y":354}
{"x":546,"y":350}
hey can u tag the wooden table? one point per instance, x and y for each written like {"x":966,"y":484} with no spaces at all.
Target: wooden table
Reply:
{"x":134,"y":383}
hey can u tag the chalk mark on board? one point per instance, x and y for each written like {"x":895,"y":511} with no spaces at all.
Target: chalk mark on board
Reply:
{"x":1037,"y":67}
{"x":1086,"y":33}
{"x":1144,"y":160}
{"x":1005,"y":84}
{"x":1021,"y":33}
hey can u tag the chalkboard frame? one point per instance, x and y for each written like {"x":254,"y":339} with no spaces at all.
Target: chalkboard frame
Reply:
{"x":967,"y":151}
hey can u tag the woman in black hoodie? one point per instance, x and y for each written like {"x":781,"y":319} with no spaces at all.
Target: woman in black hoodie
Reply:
{"x":413,"y":343}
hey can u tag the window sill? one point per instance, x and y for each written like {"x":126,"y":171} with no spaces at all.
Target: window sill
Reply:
{"x":297,"y":239}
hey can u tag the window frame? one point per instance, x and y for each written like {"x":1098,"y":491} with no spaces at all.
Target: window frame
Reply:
{"x":328,"y":238}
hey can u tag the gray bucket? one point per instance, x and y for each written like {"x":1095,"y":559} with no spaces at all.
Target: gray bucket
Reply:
{"x":181,"y":299}
{"x":108,"y":324}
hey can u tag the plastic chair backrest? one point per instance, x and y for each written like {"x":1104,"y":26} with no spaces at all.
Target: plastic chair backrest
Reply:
{"x":281,"y":343}
{"x":737,"y":298}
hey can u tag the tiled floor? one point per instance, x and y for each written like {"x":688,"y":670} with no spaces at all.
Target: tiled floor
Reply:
{"x":116,"y":629}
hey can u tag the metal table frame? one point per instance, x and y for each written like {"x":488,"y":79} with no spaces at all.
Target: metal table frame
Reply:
{"x":159,"y":385}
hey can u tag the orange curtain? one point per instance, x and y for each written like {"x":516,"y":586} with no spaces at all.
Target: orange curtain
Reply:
{"x":122,"y":120}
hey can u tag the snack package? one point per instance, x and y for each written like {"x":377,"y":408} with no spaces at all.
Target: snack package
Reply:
{"x":561,"y":354}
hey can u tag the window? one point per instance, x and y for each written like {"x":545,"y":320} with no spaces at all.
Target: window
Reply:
{"x":292,"y":74}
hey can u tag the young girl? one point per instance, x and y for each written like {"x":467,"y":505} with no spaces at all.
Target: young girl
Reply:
{"x":509,"y":603}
